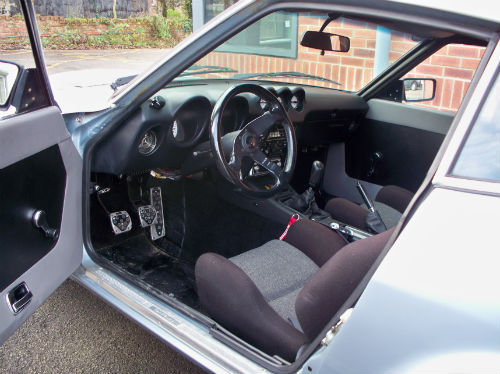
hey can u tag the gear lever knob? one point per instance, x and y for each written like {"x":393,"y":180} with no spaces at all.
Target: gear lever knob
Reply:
{"x":316,"y":174}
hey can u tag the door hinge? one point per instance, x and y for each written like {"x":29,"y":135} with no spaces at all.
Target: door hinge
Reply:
{"x":335,"y":329}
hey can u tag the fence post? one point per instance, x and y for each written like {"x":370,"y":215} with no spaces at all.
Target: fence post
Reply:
{"x":198,"y":13}
{"x":382,"y":48}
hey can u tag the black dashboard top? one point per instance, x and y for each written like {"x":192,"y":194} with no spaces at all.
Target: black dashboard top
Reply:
{"x":166,"y":129}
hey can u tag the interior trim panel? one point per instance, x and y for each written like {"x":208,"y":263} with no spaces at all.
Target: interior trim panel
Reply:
{"x":35,"y":183}
{"x":409,"y":115}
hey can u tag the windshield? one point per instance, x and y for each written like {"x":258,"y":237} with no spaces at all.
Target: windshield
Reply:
{"x":270,"y":50}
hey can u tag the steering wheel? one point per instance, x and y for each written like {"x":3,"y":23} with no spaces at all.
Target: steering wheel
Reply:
{"x":236,"y":152}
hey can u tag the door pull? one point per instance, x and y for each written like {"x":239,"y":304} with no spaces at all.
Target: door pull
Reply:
{"x":19,"y":297}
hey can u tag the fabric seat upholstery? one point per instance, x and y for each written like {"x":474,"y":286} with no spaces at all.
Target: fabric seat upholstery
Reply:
{"x":391,"y":202}
{"x":258,"y":294}
{"x":279,"y":271}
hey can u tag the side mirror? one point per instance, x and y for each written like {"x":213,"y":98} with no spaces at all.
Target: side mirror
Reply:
{"x":325,"y":41}
{"x":419,"y":89}
{"x":9,"y":75}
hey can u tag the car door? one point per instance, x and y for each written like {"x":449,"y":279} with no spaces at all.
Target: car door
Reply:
{"x":40,"y":192}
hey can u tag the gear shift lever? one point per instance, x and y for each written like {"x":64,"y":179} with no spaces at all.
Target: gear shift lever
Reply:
{"x":314,"y":183}
{"x":306,"y":202}
{"x":316,"y":175}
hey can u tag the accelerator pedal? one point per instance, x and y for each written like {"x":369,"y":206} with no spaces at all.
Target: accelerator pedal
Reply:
{"x":158,"y":226}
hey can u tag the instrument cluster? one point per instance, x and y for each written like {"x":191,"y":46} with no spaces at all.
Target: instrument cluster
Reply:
{"x":291,"y":99}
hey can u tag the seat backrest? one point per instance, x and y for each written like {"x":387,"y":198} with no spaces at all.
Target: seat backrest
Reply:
{"x":331,"y":286}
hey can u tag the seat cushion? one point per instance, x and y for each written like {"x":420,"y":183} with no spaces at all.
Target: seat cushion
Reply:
{"x":346,"y":211}
{"x":232,"y":299}
{"x":279,"y":271}
{"x":315,"y":240}
{"x":394,"y":196}
{"x":355,"y":215}
{"x":328,"y":290}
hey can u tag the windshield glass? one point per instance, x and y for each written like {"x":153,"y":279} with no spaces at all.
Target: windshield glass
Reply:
{"x":270,"y":50}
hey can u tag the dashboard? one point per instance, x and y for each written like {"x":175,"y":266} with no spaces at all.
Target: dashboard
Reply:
{"x":170,"y":130}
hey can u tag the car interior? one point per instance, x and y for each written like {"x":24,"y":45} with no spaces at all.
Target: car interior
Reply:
{"x":256,"y":201}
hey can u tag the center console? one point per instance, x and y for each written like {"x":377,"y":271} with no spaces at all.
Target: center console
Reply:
{"x":288,"y":202}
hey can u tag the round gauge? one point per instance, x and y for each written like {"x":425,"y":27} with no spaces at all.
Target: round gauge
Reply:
{"x":148,"y":143}
{"x":294,"y":102}
{"x":263,"y":104}
{"x":178,"y":131}
{"x":175,"y":129}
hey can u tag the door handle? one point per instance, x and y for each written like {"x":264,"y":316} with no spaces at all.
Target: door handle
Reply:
{"x":39,"y":220}
{"x":374,"y":160}
{"x":19,"y":297}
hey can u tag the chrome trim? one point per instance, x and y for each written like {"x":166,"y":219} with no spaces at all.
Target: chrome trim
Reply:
{"x":18,"y":305}
{"x":185,"y":335}
{"x":470,"y":111}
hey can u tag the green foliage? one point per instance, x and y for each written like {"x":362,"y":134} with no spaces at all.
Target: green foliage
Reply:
{"x":160,"y":27}
{"x":102,"y":32}
{"x":140,"y":32}
{"x":187,"y":6}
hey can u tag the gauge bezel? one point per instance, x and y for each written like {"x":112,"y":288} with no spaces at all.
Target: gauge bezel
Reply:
{"x":301,"y":97}
{"x":155,"y":143}
{"x":194,"y":117}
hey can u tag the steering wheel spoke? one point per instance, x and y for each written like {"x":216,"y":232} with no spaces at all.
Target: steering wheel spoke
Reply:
{"x":262,"y":123}
{"x":234,"y":163}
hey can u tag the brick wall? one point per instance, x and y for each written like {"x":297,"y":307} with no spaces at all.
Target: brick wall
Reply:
{"x":452,"y":66}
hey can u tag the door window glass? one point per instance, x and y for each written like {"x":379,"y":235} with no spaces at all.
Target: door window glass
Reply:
{"x":452,"y":67}
{"x":21,"y":87}
{"x":480,"y":155}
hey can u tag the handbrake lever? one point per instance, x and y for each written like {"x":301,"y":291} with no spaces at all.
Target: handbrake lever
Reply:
{"x":373,"y":220}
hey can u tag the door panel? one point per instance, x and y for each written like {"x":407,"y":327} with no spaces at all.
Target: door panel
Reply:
{"x":407,"y":138}
{"x":40,"y":169}
{"x":35,"y":183}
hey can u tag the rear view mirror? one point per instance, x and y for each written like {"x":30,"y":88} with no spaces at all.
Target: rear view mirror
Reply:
{"x":325,"y":41}
{"x":419,"y":89}
{"x":9,"y":72}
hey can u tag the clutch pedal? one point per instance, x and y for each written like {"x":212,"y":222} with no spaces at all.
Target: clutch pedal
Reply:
{"x":120,"y":222}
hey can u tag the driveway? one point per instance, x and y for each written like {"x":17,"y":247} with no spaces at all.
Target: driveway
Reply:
{"x":76,"y":332}
{"x":59,"y":61}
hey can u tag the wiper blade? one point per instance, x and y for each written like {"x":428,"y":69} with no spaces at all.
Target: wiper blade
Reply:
{"x":122,"y":81}
{"x":286,"y":74}
{"x":206,"y":69}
